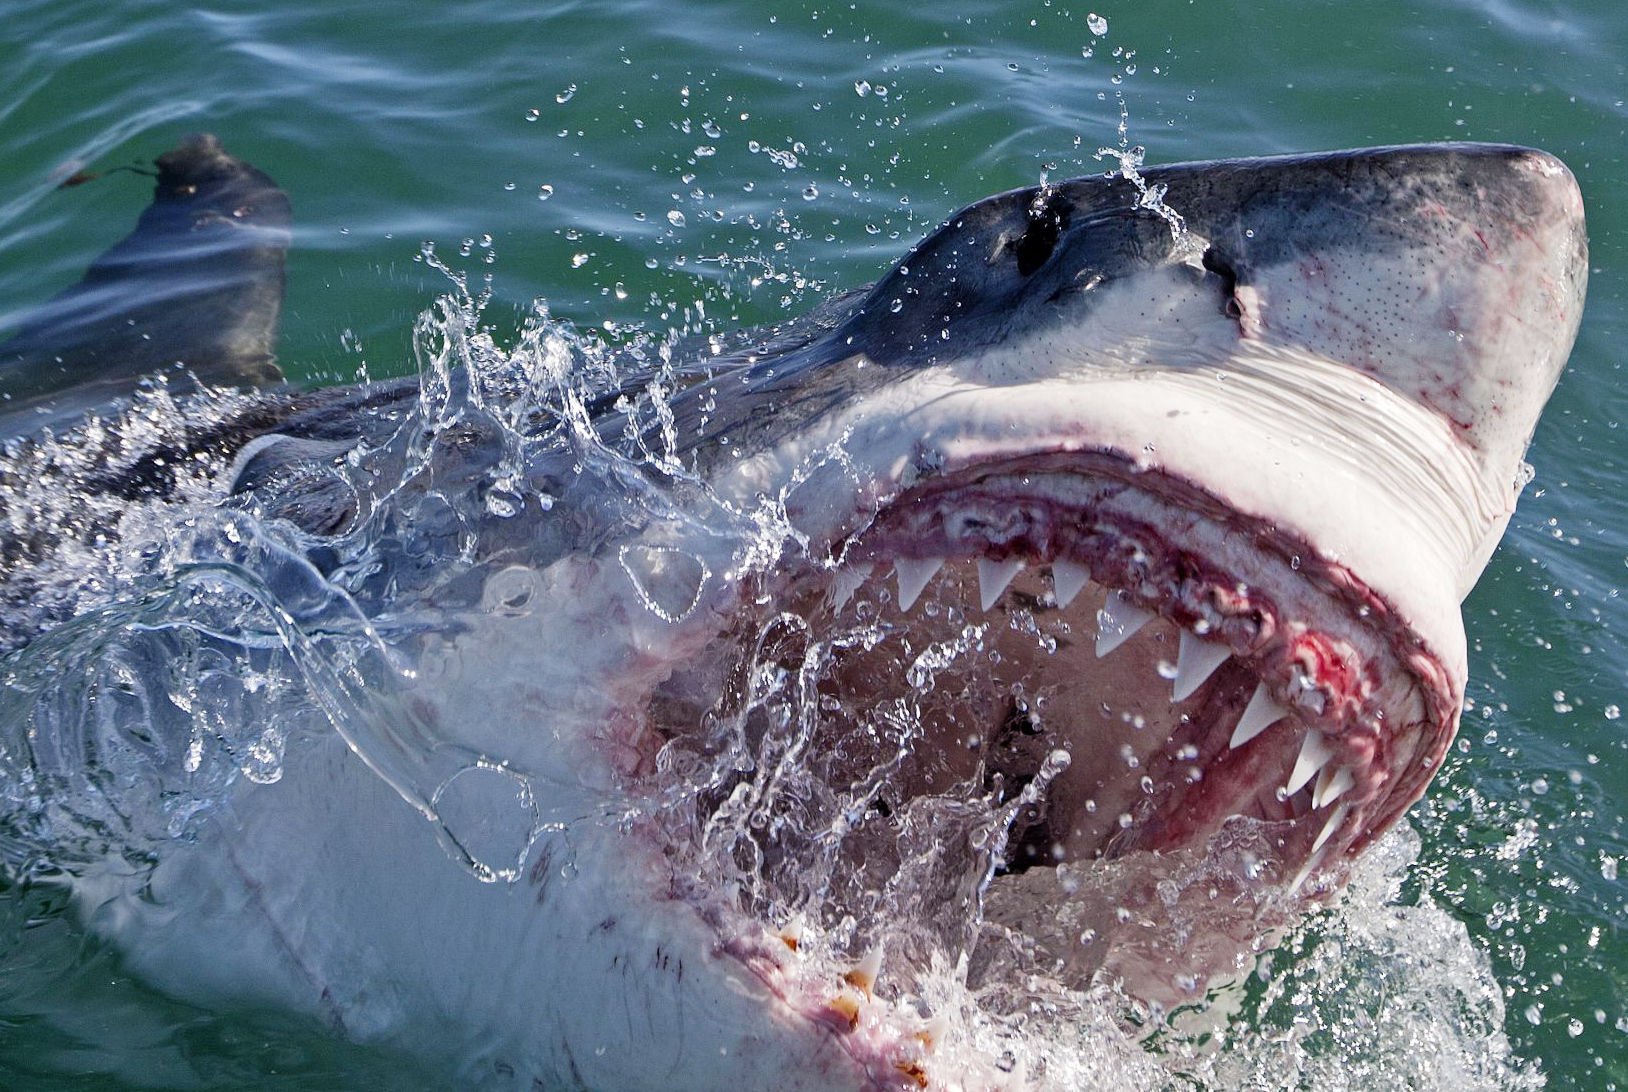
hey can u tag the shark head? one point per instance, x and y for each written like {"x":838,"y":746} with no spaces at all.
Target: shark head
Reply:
{"x":1082,"y":596}
{"x":1241,"y":436}
{"x":1147,"y":503}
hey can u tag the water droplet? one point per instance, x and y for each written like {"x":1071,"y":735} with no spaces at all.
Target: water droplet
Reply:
{"x":544,"y":192}
{"x":1098,"y":25}
{"x":675,"y":218}
{"x":533,"y":114}
{"x":565,"y":96}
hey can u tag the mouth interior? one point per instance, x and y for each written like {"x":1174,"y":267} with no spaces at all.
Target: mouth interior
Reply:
{"x":1046,"y":667}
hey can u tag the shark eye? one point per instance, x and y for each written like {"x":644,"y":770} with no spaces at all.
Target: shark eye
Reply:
{"x":1215,"y":263}
{"x":1047,"y":219}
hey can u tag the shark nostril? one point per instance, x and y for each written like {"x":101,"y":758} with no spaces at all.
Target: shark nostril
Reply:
{"x":1048,"y":216}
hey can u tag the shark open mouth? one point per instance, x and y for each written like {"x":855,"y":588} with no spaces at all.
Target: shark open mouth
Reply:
{"x":1205,"y":666}
{"x":1110,"y":662}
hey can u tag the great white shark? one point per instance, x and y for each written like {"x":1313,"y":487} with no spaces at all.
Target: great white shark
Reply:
{"x":771,"y":709}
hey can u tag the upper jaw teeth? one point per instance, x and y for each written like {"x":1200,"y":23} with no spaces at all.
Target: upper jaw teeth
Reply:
{"x":1067,"y":579}
{"x":1261,"y":713}
{"x":1315,"y":753}
{"x":1332,"y":784}
{"x":1198,"y":658}
{"x":1118,"y":621}
{"x":994,"y":577}
{"x":914,"y":575}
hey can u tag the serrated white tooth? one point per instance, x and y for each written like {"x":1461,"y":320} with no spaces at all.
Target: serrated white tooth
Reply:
{"x":1332,"y":784}
{"x":1305,"y":871}
{"x":1259,"y":715}
{"x":1330,"y":827}
{"x":848,"y":1005}
{"x":1314,"y":755}
{"x":1067,"y":578}
{"x":993,"y":578}
{"x":866,"y":972}
{"x":913,"y":574}
{"x":791,"y":934}
{"x":1196,"y":660}
{"x":1118,"y":621}
{"x":847,"y":580}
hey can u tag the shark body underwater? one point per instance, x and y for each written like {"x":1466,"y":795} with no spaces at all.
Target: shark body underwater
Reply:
{"x":781,"y":709}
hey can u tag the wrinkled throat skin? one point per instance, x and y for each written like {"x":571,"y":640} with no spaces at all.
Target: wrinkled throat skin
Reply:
{"x":1073,"y":604}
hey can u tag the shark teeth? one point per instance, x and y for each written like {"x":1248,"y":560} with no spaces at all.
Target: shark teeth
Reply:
{"x":1118,"y":621}
{"x":1260,"y":714}
{"x":846,"y":1006}
{"x":1315,"y":753}
{"x":1067,"y":579}
{"x":791,"y":934}
{"x":1312,"y":864}
{"x":1331,"y":785}
{"x":1196,"y":660}
{"x":913,"y":574}
{"x":1330,"y":827}
{"x":845,"y":583}
{"x":993,"y":578}
{"x":864,"y":974}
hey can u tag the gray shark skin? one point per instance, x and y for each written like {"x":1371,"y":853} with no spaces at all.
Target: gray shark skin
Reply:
{"x":1062,"y":613}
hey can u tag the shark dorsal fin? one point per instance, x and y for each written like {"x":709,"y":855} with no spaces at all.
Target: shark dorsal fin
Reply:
{"x":194,"y":292}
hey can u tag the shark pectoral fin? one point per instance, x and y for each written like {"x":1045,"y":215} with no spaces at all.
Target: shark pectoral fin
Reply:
{"x":195,"y":291}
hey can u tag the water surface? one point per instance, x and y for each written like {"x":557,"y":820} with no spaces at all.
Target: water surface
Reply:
{"x":654,"y":166}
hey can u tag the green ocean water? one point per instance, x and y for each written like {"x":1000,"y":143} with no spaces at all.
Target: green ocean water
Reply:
{"x":627,"y":161}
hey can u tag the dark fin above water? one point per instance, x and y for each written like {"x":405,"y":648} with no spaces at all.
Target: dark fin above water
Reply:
{"x":194,"y":292}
